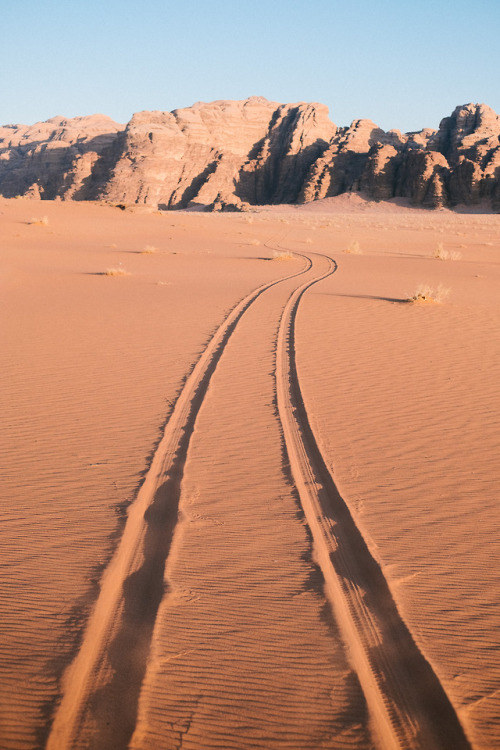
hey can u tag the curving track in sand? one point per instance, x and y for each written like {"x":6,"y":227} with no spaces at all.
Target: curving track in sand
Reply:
{"x":112,"y":658}
{"x":407,"y":705}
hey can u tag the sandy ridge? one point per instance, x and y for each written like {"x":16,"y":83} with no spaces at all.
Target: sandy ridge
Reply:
{"x":407,"y":703}
{"x":117,"y":622}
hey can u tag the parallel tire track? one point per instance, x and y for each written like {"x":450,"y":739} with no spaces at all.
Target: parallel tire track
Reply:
{"x":408,"y":706}
{"x":106,"y":674}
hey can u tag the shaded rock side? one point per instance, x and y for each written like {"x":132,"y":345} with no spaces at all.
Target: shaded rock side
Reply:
{"x":227,"y":155}
{"x":297,"y":136}
{"x":175,"y":159}
{"x":423,"y":177}
{"x":219,"y":154}
{"x":341,"y":166}
{"x":57,"y":158}
{"x":470,"y":140}
{"x":457,"y":164}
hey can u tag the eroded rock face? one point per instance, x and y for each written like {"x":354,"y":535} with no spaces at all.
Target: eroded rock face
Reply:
{"x":422,"y":178}
{"x":341,"y":166}
{"x":58,"y":158}
{"x":459,"y":163}
{"x":227,"y":155}
{"x":296,"y":137}
{"x":192,"y":155}
{"x":470,"y":140}
{"x":379,"y":174}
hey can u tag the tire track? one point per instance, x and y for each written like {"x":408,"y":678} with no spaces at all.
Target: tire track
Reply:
{"x":101,"y":687}
{"x":408,"y":706}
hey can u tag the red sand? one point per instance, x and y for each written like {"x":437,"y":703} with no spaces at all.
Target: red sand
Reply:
{"x":243,"y":610}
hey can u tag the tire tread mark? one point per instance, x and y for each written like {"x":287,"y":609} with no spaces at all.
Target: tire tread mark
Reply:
{"x":110,"y":655}
{"x":408,"y":706}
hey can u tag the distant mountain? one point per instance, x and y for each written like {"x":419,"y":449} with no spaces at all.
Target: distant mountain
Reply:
{"x":232,"y":154}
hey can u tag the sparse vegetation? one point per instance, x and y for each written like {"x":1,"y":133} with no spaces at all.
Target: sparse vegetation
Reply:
{"x":255,"y":242}
{"x":282,"y":255}
{"x":354,"y":248}
{"x":428,"y":294}
{"x":442,"y":254}
{"x":116,"y":271}
{"x":43,"y":221}
{"x":149,"y":250}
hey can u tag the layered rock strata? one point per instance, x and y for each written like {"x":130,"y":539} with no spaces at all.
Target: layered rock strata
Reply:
{"x":228,"y":155}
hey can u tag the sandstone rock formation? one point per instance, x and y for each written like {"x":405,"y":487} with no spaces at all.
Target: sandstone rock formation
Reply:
{"x":341,"y":166}
{"x":469,"y":140}
{"x":458,"y":164}
{"x":58,"y":158}
{"x":228,"y":155}
{"x":189,"y":155}
{"x":296,"y":137}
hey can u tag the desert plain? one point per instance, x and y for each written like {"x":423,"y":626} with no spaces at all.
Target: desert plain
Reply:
{"x":249,"y":489}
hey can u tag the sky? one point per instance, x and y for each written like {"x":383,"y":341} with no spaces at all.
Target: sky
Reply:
{"x":402,"y":64}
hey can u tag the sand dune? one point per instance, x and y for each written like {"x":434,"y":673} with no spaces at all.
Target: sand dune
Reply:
{"x":248,"y":502}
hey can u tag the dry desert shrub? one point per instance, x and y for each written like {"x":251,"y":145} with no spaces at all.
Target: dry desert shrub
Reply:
{"x":255,"y":242}
{"x":149,"y":250}
{"x":443,"y":254}
{"x":43,"y":221}
{"x":116,"y":271}
{"x":282,"y":255}
{"x":428,"y":294}
{"x":354,"y":248}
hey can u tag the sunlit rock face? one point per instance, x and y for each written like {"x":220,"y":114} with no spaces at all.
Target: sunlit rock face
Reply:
{"x":58,"y":158}
{"x":229,"y":155}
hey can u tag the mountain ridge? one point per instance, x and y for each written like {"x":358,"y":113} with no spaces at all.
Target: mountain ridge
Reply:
{"x":230,"y":155}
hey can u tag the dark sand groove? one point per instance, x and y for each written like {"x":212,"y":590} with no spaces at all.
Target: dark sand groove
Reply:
{"x":245,"y":652}
{"x":403,"y":403}
{"x":102,"y":686}
{"x":408,"y":705}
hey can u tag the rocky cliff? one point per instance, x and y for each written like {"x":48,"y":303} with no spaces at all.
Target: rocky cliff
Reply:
{"x":58,"y":158}
{"x":233,"y":154}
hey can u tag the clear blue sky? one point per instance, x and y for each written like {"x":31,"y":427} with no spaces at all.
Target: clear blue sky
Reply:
{"x":402,"y":64}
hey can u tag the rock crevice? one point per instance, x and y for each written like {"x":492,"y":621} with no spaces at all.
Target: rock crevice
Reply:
{"x":229,"y":155}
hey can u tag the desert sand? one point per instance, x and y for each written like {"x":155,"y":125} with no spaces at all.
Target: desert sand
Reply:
{"x":248,"y":490}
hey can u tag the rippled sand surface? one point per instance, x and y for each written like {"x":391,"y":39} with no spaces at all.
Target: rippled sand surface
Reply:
{"x":163,"y":581}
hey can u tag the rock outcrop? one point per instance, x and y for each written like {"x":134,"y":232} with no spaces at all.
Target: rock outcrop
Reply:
{"x":470,"y":141}
{"x":458,"y":164}
{"x":229,"y":155}
{"x":192,"y":155}
{"x":57,"y":158}
{"x":296,"y":137}
{"x":341,"y":166}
